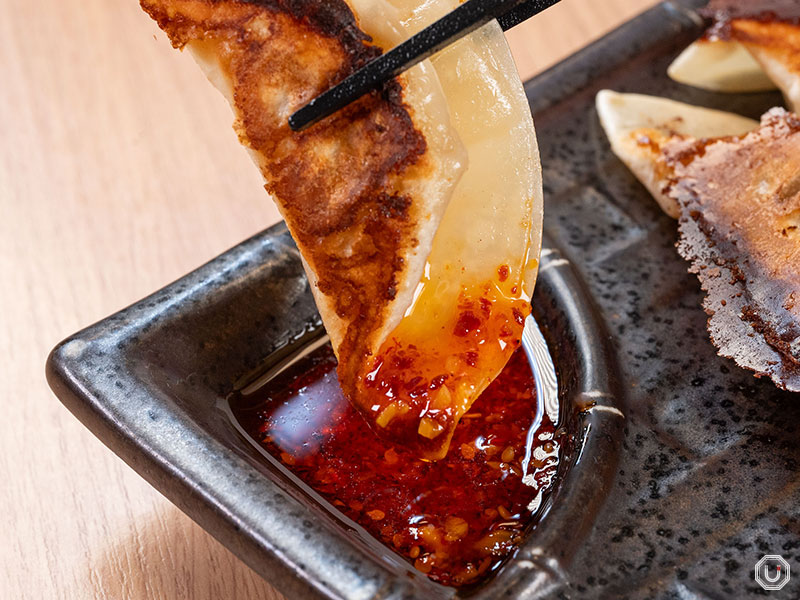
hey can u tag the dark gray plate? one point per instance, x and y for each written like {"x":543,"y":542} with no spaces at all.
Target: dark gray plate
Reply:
{"x":707,"y":480}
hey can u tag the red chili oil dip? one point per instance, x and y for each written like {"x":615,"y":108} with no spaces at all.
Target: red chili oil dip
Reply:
{"x":457,"y":519}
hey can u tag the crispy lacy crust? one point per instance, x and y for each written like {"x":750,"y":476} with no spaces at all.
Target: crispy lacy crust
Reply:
{"x":339,"y":183}
{"x":740,"y":229}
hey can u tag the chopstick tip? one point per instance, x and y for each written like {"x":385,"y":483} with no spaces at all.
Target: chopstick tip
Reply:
{"x":297,"y":123}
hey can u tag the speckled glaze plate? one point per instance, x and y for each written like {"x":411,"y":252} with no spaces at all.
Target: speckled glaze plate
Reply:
{"x":679,"y":499}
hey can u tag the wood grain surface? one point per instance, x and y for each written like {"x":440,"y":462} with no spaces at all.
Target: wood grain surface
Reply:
{"x":119,"y":172}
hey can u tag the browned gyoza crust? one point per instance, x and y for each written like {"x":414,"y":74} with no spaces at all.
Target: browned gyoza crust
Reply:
{"x":740,"y":228}
{"x":337,"y":182}
{"x":780,"y":40}
{"x":772,"y":26}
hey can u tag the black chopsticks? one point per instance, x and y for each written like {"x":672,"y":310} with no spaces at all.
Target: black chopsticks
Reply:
{"x":463,"y":20}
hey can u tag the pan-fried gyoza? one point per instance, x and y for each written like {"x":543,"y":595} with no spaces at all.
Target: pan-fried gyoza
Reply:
{"x":752,"y":45}
{"x":737,"y":196}
{"x":417,"y":209}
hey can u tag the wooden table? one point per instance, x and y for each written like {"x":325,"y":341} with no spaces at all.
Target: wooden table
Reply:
{"x":119,"y":172}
